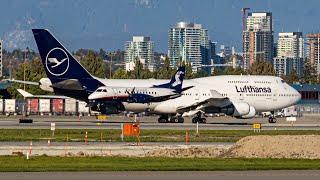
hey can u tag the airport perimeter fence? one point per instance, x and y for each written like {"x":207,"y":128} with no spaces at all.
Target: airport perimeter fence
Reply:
{"x":308,"y":108}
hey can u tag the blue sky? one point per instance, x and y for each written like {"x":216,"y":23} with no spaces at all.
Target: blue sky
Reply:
{"x":108,"y":24}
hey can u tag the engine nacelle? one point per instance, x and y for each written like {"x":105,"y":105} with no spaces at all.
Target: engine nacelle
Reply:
{"x":46,"y":85}
{"x":251,"y":113}
{"x":239,"y":110}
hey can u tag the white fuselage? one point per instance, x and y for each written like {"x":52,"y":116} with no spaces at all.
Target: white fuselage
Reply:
{"x":123,"y":93}
{"x":264,"y":93}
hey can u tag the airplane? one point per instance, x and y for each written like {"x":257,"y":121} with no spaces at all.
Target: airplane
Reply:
{"x":240,"y":96}
{"x":154,"y":93}
{"x":105,"y":95}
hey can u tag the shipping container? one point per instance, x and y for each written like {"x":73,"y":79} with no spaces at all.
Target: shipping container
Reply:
{"x":1,"y":106}
{"x":70,"y":106}
{"x":57,"y":106}
{"x":44,"y":105}
{"x":10,"y":105}
{"x":20,"y":106}
{"x":82,"y":109}
{"x":33,"y":106}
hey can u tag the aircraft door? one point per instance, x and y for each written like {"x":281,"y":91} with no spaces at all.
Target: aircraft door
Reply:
{"x":241,"y":96}
{"x":196,"y":94}
{"x":275,"y":95}
{"x":115,"y":93}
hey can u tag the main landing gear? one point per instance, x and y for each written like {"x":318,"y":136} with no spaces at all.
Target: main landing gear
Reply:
{"x":199,"y":119}
{"x":170,"y":119}
{"x":272,"y":118}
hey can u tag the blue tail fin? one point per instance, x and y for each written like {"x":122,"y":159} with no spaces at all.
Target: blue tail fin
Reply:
{"x":176,"y":80}
{"x":59,"y":64}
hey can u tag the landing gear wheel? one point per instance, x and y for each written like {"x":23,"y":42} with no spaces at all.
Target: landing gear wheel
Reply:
{"x":163,"y":119}
{"x":195,"y":120}
{"x":272,"y":120}
{"x":180,"y":119}
{"x":203,"y":120}
{"x":199,"y":119}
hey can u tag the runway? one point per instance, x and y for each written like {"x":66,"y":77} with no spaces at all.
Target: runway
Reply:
{"x":223,"y":123}
{"x":185,"y":175}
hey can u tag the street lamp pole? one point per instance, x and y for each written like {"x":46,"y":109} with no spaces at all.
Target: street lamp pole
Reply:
{"x":24,"y":85}
{"x":24,"y":69}
{"x":110,"y":71}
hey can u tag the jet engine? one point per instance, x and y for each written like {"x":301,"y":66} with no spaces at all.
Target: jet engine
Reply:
{"x":251,"y":113}
{"x":239,"y":110}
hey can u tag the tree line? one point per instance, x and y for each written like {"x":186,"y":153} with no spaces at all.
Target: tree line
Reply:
{"x":94,"y":63}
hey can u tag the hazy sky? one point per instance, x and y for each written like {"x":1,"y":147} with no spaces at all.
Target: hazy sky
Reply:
{"x":109,"y":23}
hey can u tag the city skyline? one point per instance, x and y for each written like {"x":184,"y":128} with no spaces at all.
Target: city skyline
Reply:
{"x":108,"y":24}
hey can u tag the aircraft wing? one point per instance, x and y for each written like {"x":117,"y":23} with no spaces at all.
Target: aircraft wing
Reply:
{"x":216,"y":99}
{"x":29,"y":95}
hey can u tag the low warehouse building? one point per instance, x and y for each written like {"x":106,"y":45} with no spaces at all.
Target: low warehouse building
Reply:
{"x":310,"y":102}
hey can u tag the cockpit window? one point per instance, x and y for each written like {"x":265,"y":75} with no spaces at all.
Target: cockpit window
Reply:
{"x":99,"y":90}
{"x":104,"y":90}
{"x":282,"y":81}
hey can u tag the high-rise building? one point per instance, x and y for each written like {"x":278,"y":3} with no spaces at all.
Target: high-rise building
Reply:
{"x":213,"y":48}
{"x":290,"y":44}
{"x":225,"y":51}
{"x":258,"y":38}
{"x":189,"y":42}
{"x":314,"y":50}
{"x":290,"y":52}
{"x":283,"y":66}
{"x":140,"y":48}
{"x":1,"y":72}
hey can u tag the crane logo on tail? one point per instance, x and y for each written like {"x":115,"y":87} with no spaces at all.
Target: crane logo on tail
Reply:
{"x":57,"y":62}
{"x":177,"y":79}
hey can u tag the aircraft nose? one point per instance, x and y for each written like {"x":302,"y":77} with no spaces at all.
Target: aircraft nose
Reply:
{"x":297,"y":96}
{"x":92,"y":96}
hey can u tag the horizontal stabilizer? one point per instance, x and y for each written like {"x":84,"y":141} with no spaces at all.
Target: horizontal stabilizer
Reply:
{"x":29,"y":95}
{"x":25,"y":93}
{"x":186,"y":88}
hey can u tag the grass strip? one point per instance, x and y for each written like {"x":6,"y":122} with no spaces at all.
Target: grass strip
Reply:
{"x":145,"y":136}
{"x":43,"y":163}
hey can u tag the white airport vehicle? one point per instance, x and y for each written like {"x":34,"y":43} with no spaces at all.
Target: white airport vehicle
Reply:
{"x":241,"y":96}
{"x":288,"y":112}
